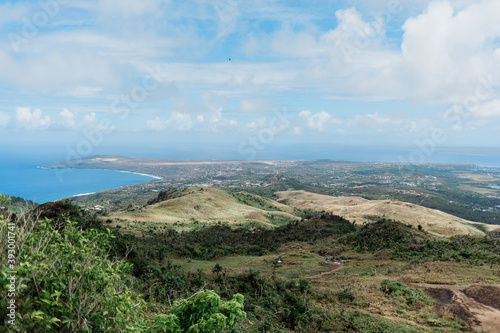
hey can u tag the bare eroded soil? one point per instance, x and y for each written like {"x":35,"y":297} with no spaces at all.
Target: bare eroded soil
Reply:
{"x":477,"y":305}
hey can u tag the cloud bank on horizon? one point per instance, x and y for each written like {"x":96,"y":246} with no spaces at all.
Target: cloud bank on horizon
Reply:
{"x":223,"y":71}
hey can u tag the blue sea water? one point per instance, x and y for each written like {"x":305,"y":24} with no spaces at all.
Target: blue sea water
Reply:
{"x":21,"y":176}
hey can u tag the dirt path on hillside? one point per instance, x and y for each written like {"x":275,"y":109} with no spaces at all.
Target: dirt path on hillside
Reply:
{"x":478,"y":305}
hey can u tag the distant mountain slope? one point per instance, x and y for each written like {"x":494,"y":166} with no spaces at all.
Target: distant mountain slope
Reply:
{"x":362,"y":210}
{"x":210,"y":205}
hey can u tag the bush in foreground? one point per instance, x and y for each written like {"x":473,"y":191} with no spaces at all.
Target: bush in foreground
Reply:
{"x":65,"y":282}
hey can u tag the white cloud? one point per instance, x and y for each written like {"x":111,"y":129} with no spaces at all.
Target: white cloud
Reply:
{"x":4,"y":119}
{"x":481,"y":113}
{"x":180,"y":121}
{"x":156,"y":124}
{"x":318,"y":121}
{"x":89,"y":119}
{"x":487,"y":111}
{"x":67,"y":118}
{"x":128,"y":8}
{"x":352,"y":32}
{"x":32,"y":120}
{"x":374,"y":120}
{"x":446,"y":52}
{"x":255,"y":105}
{"x":257,"y":124}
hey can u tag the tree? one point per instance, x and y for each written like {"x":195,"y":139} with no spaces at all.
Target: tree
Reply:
{"x":205,"y":312}
{"x":65,"y":281}
{"x":217,"y":269}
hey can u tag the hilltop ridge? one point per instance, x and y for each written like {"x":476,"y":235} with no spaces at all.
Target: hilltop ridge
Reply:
{"x":366,"y":211}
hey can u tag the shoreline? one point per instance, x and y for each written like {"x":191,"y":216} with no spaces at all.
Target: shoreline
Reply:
{"x":135,"y":173}
{"x":80,"y":195}
{"x":124,"y":171}
{"x":154,"y":177}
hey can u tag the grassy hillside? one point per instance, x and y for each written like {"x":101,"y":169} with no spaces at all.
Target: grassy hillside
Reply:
{"x":195,"y":206}
{"x":362,"y":210}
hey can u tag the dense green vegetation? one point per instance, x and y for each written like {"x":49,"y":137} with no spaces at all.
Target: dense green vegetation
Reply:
{"x":402,"y":241}
{"x":64,"y":281}
{"x":410,"y":296}
{"x":166,"y":195}
{"x":221,"y":240}
{"x":255,"y":201}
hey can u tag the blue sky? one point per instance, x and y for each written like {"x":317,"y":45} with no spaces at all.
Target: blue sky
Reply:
{"x":91,"y":76}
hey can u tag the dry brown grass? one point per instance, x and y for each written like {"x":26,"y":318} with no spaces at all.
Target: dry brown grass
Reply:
{"x":361,"y":210}
{"x":450,"y":273}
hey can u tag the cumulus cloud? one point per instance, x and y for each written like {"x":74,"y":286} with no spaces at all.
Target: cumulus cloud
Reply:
{"x":318,"y":121}
{"x":353,"y":33}
{"x":4,"y":119}
{"x":32,"y":120}
{"x":487,"y":111}
{"x":156,"y":124}
{"x":89,"y":119}
{"x":67,"y":118}
{"x":257,"y":124}
{"x":480,"y":113}
{"x":446,"y":52}
{"x":178,"y":121}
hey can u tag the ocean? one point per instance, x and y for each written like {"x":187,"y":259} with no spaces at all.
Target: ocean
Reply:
{"x":21,"y":176}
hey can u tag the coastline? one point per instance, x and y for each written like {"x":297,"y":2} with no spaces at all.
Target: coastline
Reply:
{"x":135,"y":173}
{"x":79,"y":195}
{"x":156,"y":177}
{"x":113,"y":188}
{"x":82,"y":192}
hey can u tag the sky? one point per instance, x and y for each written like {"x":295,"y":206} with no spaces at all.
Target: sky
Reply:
{"x":248,"y":76}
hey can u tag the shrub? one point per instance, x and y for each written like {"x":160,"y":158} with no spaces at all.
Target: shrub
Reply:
{"x":66,"y":282}
{"x":411,"y":296}
{"x":204,"y":313}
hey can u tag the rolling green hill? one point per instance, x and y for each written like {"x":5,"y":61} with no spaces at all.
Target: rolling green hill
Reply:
{"x":209,"y":206}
